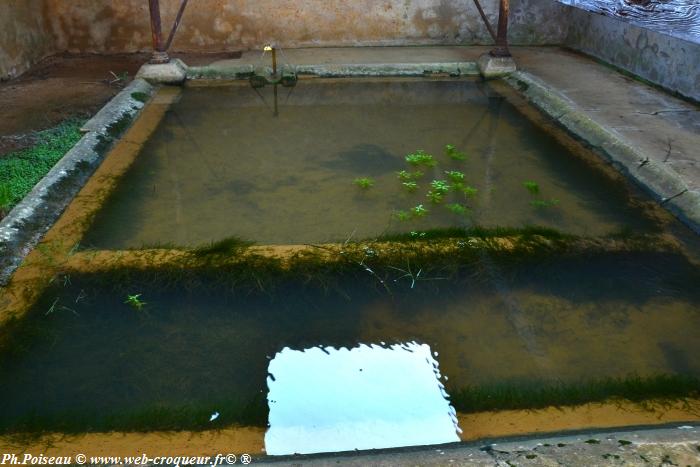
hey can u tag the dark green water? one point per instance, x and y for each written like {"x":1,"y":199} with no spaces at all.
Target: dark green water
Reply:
{"x":222,"y":164}
{"x":84,"y":360}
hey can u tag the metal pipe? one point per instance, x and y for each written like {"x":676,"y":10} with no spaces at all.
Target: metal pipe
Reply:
{"x":486,"y":20}
{"x":501,"y":49}
{"x":178,"y":18}
{"x":159,"y":54}
{"x":274,"y":62}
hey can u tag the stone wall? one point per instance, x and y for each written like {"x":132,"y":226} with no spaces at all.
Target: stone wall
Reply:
{"x":32,"y":29}
{"x":24,"y":38}
{"x":670,"y":62}
{"x":107,"y":26}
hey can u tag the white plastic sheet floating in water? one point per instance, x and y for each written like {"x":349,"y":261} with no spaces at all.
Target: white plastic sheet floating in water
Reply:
{"x":368,"y":397}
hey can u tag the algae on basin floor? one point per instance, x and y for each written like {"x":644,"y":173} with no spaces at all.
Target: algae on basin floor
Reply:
{"x":332,"y":165}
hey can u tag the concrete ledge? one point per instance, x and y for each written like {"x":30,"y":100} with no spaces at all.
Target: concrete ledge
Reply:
{"x":671,"y":445}
{"x":243,"y":71}
{"x":495,"y":67}
{"x":29,"y":220}
{"x":394,"y":69}
{"x":661,"y":182}
{"x":174,"y":72}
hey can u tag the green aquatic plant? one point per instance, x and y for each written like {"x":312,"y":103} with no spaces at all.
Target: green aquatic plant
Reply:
{"x":532,"y":187}
{"x":410,"y":186}
{"x":458,"y":209}
{"x":455,"y":176}
{"x":544,"y":203}
{"x":415,"y":234}
{"x":135,"y":302}
{"x":468,"y":191}
{"x":452,"y":152}
{"x":435,"y":197}
{"x":419,"y":210}
{"x":364,"y":182}
{"x":440,"y":186}
{"x":402,"y":215}
{"x":407,"y":176}
{"x":421,"y":157}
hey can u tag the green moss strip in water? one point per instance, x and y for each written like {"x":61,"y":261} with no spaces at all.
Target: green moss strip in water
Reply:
{"x":194,"y":417}
{"x":536,"y":395}
{"x":227,"y":246}
{"x":648,"y":392}
{"x":525,"y":233}
{"x":441,"y":253}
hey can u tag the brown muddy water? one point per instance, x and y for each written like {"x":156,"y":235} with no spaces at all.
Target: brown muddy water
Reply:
{"x":222,"y":164}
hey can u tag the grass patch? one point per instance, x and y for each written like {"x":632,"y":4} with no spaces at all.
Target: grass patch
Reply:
{"x":5,"y":200}
{"x":538,"y":395}
{"x":21,"y":170}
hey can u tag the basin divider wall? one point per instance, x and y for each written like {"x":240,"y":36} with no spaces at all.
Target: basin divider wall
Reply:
{"x":62,"y":239}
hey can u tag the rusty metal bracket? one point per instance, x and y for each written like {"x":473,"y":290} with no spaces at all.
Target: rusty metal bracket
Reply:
{"x":501,"y":49}
{"x":178,"y":18}
{"x":160,"y":49}
{"x":486,"y":20}
{"x":500,"y":37}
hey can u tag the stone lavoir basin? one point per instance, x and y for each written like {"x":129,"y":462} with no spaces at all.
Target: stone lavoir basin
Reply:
{"x":350,"y":264}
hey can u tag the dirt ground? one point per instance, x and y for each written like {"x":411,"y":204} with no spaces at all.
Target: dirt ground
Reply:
{"x":64,"y":86}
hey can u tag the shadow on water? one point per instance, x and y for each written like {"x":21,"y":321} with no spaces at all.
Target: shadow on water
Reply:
{"x":365,"y":159}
